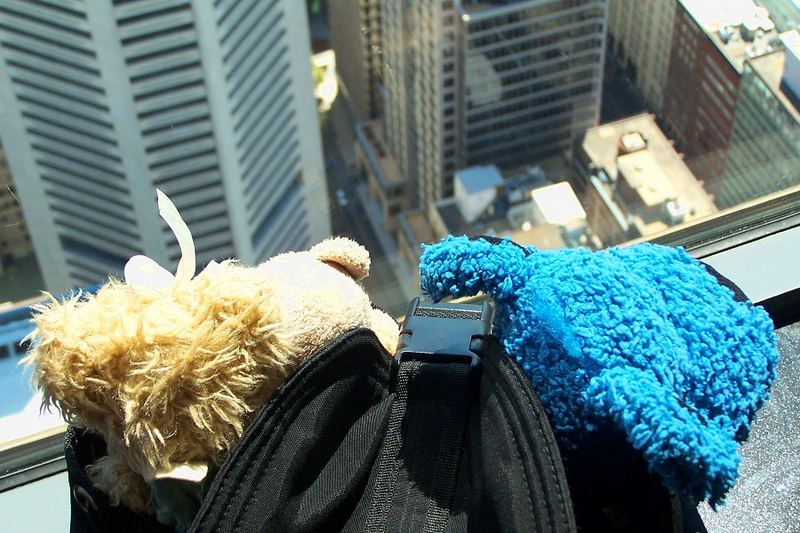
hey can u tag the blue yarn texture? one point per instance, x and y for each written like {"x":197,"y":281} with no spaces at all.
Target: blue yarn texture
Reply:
{"x":643,"y":338}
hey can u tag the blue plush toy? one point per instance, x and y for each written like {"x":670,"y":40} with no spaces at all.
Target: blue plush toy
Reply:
{"x":643,"y":338}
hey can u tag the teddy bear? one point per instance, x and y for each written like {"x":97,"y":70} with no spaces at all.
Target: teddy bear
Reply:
{"x":643,"y":339}
{"x":171,"y":369}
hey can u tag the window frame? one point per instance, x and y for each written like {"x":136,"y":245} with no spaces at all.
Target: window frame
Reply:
{"x":773,"y":221}
{"x":31,"y":458}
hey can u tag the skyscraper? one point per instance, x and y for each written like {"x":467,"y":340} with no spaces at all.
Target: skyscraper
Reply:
{"x":641,"y":37}
{"x":711,"y":41}
{"x":764,"y":152}
{"x":210,"y":102}
{"x":503,"y":81}
{"x":356,"y":39}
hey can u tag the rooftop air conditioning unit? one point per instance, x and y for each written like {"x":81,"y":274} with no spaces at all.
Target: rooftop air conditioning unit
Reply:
{"x":675,"y":211}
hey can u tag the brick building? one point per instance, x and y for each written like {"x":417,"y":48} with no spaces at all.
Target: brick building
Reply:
{"x":710,"y":44}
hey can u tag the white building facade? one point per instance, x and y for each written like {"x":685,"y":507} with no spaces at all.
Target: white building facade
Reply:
{"x":101,"y":103}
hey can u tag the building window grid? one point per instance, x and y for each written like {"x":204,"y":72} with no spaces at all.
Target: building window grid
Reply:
{"x":715,"y":71}
{"x":548,"y":9}
{"x":722,"y":102}
{"x":559,"y":78}
{"x":552,"y":94}
{"x":512,"y":126}
{"x":532,"y":51}
{"x":568,"y":31}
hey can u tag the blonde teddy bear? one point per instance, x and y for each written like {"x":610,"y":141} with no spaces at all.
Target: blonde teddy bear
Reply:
{"x":170,"y":370}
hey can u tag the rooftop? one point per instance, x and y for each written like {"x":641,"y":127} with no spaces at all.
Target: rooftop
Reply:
{"x":655,"y":172}
{"x":371,"y":138}
{"x":418,"y":229}
{"x":558,"y":203}
{"x":544,"y":236}
{"x":644,"y":175}
{"x":526,"y":207}
{"x":479,"y":178}
{"x":772,"y":69}
{"x":739,"y":28}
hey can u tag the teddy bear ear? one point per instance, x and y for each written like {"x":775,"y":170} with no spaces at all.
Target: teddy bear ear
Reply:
{"x":344,"y":253}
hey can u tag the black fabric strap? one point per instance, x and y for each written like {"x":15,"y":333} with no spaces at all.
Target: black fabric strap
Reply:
{"x":422,"y":450}
{"x":390,"y":452}
{"x":449,"y":449}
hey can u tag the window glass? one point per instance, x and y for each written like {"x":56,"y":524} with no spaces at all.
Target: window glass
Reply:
{"x":272,"y":125}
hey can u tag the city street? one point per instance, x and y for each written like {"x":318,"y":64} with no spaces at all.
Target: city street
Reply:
{"x":348,"y":218}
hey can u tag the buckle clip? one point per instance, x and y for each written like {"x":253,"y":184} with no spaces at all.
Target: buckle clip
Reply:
{"x":444,"y":332}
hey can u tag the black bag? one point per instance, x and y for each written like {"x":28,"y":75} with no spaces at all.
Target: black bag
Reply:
{"x":448,"y":436}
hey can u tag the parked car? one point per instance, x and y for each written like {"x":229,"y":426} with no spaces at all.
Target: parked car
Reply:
{"x":341,"y":198}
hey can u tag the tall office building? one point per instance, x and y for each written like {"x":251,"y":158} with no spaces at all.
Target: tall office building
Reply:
{"x":212,"y":102}
{"x":784,"y":13}
{"x":764,"y":152}
{"x":356,"y":38}
{"x":710,"y":44}
{"x":505,"y":82}
{"x":640,"y":35}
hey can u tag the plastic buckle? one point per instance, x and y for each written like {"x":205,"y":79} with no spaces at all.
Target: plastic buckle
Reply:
{"x":444,"y":332}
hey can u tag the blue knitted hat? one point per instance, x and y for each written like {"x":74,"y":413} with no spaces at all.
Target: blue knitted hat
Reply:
{"x":642,"y":337}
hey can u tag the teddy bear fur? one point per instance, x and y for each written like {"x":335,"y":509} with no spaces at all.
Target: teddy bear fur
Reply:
{"x":173,"y":377}
{"x":642,"y":338}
